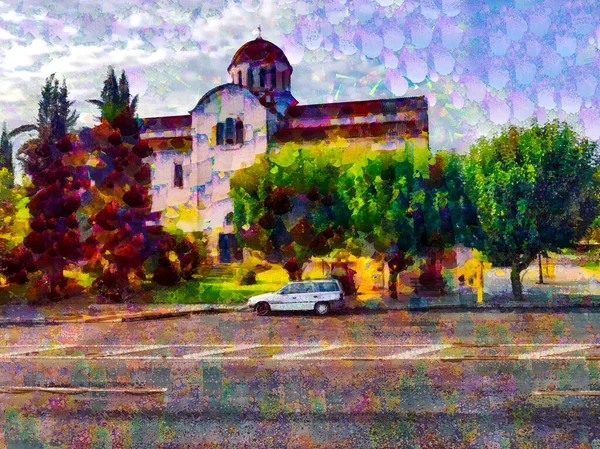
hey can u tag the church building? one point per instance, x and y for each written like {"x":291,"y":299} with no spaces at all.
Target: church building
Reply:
{"x":195,"y":154}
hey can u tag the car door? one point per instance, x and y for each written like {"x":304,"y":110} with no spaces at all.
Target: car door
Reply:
{"x":296,"y":299}
{"x":308,"y":296}
{"x":281,"y":298}
{"x":288,"y":297}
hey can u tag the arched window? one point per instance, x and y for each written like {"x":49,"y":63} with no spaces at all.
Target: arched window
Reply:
{"x":229,"y":130}
{"x":239,"y":132}
{"x":273,"y":78}
{"x":261,"y":77}
{"x":240,"y":78}
{"x":220,"y":130}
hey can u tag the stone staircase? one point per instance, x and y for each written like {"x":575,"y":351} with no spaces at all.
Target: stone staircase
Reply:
{"x":218,"y":271}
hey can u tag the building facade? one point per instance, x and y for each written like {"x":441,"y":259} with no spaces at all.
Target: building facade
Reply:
{"x":196,"y":154}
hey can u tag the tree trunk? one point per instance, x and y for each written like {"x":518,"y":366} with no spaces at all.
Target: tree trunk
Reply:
{"x":515,"y":275}
{"x":515,"y":280}
{"x":541,"y":281}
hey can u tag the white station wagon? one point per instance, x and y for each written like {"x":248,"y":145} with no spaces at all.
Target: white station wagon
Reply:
{"x":318,"y":295}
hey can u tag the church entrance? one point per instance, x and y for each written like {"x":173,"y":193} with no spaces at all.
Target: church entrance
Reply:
{"x":228,"y":249}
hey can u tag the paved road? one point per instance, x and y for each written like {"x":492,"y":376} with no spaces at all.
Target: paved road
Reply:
{"x":391,"y":379}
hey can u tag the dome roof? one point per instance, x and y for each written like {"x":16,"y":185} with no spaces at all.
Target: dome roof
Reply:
{"x":259,"y":52}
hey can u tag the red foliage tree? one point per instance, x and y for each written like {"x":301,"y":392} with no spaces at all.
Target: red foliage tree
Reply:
{"x":125,"y":243}
{"x":120,"y":242}
{"x":60,"y":182}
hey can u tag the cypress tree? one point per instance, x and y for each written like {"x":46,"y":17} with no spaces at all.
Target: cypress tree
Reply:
{"x":45,"y":108}
{"x":116,"y":105}
{"x":124,"y":95}
{"x":55,"y":113}
{"x":110,"y":91}
{"x":68,"y":116}
{"x":5,"y":150}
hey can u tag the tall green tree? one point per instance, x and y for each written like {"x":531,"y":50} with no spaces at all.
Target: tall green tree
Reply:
{"x":533,"y":188}
{"x":6,"y":149}
{"x":116,"y":105}
{"x":55,"y":111}
{"x":56,"y":117}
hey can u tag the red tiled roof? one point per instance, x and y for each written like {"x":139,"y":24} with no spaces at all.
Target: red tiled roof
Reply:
{"x":182,"y":144}
{"x":355,"y":108}
{"x":413,"y":128}
{"x":167,"y":123}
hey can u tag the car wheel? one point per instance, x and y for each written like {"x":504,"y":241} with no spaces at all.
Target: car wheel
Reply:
{"x":262,"y":309}
{"x":321,"y":308}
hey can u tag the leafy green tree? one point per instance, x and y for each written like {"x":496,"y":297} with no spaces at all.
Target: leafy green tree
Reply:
{"x":299,"y":202}
{"x":287,"y":206}
{"x":533,"y":189}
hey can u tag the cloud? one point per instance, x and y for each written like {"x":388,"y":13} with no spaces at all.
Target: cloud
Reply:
{"x":480,"y":67}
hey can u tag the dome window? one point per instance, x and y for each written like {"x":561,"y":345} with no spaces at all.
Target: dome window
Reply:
{"x":273,"y":78}
{"x":261,"y":77}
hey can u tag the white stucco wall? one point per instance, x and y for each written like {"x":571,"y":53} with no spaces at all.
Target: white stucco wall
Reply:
{"x":208,"y":167}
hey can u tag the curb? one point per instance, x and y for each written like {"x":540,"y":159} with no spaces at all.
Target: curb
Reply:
{"x":118,"y":318}
{"x":499,"y":307}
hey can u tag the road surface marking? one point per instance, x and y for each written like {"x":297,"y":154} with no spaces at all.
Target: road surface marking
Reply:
{"x":80,"y":390}
{"x":300,"y":354}
{"x":566,"y":393}
{"x":207,"y":354}
{"x":34,"y":349}
{"x":414,"y":353}
{"x":302,"y":351}
{"x":131,"y":350}
{"x":559,"y":350}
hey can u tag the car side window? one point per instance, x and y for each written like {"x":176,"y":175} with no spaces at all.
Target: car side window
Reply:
{"x":310,"y":287}
{"x":299,"y":288}
{"x":328,"y":287}
{"x":289,"y":289}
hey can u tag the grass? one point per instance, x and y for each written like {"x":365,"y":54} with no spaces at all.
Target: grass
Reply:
{"x":216,"y":290}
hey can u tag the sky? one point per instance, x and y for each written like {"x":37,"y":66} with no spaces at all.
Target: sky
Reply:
{"x":482,"y":64}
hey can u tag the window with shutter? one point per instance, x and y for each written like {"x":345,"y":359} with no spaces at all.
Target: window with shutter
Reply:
{"x":178,"y":178}
{"x":220,"y":132}
{"x":239,"y":132}
{"x":229,"y":131}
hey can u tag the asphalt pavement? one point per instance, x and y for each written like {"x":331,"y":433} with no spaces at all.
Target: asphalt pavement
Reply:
{"x":379,"y":379}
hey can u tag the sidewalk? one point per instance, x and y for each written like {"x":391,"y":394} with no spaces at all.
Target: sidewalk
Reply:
{"x":104,"y":313}
{"x":535,"y":299}
{"x":64,"y":313}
